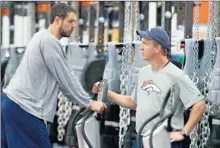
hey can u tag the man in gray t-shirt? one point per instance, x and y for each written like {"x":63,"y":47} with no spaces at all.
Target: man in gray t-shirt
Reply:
{"x":31,"y":96}
{"x":154,"y":82}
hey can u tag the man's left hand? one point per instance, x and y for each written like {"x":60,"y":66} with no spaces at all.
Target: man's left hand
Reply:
{"x":176,"y":136}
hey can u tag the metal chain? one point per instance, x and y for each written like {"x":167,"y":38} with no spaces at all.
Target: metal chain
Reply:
{"x":125,"y":70}
{"x":212,"y":20}
{"x":64,"y":112}
{"x":217,"y":3}
{"x":195,"y":77}
{"x":211,"y":52}
{"x":210,"y":36}
{"x":215,"y":29}
{"x":194,"y":134}
{"x":213,"y":108}
{"x":203,"y":127}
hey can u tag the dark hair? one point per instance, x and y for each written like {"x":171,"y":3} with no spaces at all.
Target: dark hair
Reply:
{"x":61,"y":10}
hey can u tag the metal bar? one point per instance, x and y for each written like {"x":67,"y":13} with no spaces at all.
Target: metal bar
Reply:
{"x":167,"y":20}
{"x":188,"y":19}
{"x":101,"y":21}
{"x":80,"y":24}
{"x":159,"y":13}
{"x":92,"y":18}
{"x":121,"y":20}
{"x":179,"y":13}
{"x":144,"y":7}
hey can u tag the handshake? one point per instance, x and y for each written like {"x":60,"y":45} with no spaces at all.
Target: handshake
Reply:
{"x":97,"y":106}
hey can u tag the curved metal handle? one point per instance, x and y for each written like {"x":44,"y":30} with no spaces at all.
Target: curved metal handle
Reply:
{"x":104,"y":90}
{"x":170,"y":114}
{"x":206,"y":78}
{"x":195,"y":80}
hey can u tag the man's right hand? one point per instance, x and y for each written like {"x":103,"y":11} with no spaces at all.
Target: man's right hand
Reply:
{"x":96,"y":88}
{"x":97,"y":106}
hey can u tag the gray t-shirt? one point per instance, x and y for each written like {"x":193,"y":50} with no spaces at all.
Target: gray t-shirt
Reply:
{"x":39,"y":77}
{"x":151,"y":89}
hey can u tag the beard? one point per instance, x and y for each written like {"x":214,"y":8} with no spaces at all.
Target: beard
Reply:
{"x":64,"y":33}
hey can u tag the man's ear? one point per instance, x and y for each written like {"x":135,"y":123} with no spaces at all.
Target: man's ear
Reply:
{"x":158,"y":49}
{"x":57,"y":19}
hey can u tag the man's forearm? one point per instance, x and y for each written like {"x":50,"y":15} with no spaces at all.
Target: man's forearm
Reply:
{"x":195,"y":115}
{"x":124,"y":101}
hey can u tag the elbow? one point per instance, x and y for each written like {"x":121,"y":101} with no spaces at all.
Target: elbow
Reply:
{"x":203,"y":106}
{"x":134,"y":107}
{"x":200,"y":107}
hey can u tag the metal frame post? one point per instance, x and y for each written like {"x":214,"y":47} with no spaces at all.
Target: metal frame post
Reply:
{"x":167,"y":20}
{"x":188,"y":19}
{"x":101,"y":22}
{"x":80,"y":25}
{"x":144,"y":7}
{"x":179,"y":13}
{"x":121,"y":20}
{"x":92,"y":18}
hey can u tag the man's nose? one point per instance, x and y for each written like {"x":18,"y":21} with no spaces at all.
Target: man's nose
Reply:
{"x":74,"y":25}
{"x":142,"y":47}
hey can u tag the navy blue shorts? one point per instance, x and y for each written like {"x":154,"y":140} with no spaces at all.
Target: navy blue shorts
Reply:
{"x":19,"y":129}
{"x":177,"y":144}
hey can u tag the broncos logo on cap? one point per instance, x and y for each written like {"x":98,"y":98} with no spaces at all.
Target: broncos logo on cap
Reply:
{"x":149,"y":86}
